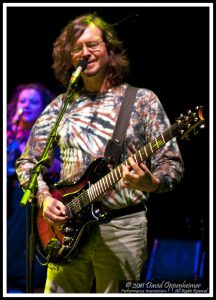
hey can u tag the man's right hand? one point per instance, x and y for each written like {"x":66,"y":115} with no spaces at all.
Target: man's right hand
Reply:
{"x":54,"y":211}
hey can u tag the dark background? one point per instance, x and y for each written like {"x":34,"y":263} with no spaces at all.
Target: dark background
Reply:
{"x":169,"y":52}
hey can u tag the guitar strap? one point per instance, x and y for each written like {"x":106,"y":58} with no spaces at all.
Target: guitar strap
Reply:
{"x":114,"y":146}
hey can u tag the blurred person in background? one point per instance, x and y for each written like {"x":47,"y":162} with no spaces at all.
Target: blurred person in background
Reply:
{"x":25,"y":106}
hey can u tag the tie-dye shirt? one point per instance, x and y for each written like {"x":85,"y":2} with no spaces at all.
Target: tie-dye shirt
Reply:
{"x":84,"y":131}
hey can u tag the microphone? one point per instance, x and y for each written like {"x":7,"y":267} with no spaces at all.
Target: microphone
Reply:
{"x":17,"y":116}
{"x":81,"y":66}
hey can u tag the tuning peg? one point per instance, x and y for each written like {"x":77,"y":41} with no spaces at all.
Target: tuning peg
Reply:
{"x":202,"y":126}
{"x":189,"y":112}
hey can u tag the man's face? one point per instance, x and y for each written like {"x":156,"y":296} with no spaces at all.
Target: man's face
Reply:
{"x":90,"y":45}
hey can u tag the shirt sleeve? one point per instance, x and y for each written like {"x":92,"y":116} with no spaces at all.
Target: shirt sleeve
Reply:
{"x":166,"y":163}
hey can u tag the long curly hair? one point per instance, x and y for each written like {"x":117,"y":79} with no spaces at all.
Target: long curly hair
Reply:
{"x":118,"y":67}
{"x":45,"y":93}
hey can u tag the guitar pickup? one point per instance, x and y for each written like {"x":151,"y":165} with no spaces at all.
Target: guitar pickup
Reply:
{"x":69,"y":229}
{"x":68,"y":239}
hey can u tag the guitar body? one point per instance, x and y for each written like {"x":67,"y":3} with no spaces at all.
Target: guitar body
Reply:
{"x":59,"y":243}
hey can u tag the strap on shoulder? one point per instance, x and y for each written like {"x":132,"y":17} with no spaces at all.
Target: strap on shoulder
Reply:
{"x":114,"y":146}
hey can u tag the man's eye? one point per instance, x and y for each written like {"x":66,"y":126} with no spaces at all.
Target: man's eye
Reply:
{"x":92,"y":44}
{"x":77,"y":49}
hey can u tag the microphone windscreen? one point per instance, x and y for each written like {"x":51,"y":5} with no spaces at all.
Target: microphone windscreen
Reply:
{"x":83,"y":63}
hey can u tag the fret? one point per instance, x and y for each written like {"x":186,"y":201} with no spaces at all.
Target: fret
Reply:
{"x":97,"y":188}
{"x":112,"y":177}
{"x":119,"y":175}
{"x":126,"y":163}
{"x":110,"y":181}
{"x":145,"y":151}
{"x":103,"y":183}
{"x":100,"y":182}
{"x":140,"y":155}
{"x":148,"y":150}
{"x":94,"y":191}
{"x":116,"y":174}
{"x":162,"y":135}
{"x":89,"y":192}
{"x":92,"y":194}
{"x":107,"y":180}
{"x":170,"y":132}
{"x":160,"y":142}
{"x":151,"y":147}
{"x":157,"y":143}
{"x":135,"y":158}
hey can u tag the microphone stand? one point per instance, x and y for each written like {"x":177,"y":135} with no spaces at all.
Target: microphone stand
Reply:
{"x":31,"y":188}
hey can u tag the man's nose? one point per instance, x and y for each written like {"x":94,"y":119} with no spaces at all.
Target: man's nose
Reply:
{"x":85,"y":50}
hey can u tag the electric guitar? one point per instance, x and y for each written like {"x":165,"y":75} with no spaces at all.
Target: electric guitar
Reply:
{"x":59,"y":244}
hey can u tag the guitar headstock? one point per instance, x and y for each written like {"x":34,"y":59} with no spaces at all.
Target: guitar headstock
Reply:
{"x":190,"y":123}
